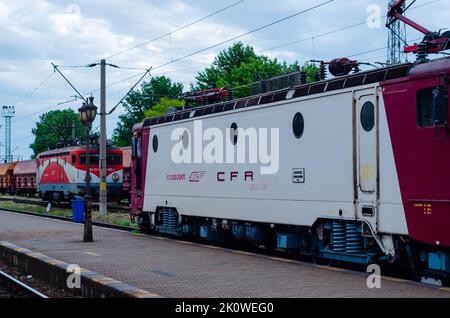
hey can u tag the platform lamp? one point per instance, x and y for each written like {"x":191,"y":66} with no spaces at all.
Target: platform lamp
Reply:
{"x":87,"y":113}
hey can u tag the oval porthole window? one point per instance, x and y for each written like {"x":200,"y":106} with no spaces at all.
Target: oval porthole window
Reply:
{"x":155,"y":143}
{"x":185,"y":139}
{"x":234,"y":133}
{"x":298,"y":125}
{"x":368,"y":116}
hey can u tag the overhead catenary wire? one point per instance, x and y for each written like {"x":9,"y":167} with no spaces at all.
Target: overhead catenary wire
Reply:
{"x":71,"y":85}
{"x":224,"y":42}
{"x":38,"y":87}
{"x":273,"y":48}
{"x":228,"y":40}
{"x":339,"y":29}
{"x":279,"y":46}
{"x":128,"y":93}
{"x":245,"y":34}
{"x":142,"y":44}
{"x":176,"y":30}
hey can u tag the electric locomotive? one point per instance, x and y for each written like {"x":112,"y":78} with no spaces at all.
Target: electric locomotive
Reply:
{"x":355,"y":168}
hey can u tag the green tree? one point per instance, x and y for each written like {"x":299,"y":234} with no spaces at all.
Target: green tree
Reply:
{"x":311,"y":70}
{"x":223,"y":65}
{"x":54,"y":127}
{"x":240,"y":66}
{"x":162,"y":107}
{"x":140,"y":101}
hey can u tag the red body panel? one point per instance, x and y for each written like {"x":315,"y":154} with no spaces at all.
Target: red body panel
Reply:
{"x":422,"y":160}
{"x":137,"y":195}
{"x":126,"y":186}
{"x":54,"y":174}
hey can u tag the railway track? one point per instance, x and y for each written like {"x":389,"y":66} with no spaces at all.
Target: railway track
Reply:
{"x":66,"y":219}
{"x":39,"y":202}
{"x":11,"y":287}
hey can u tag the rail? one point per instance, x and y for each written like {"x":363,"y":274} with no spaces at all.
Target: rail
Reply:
{"x":20,"y":286}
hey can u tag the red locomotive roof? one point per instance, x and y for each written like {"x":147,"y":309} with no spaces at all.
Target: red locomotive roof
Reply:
{"x":25,"y":167}
{"x":56,"y":151}
{"x":126,"y":157}
{"x":435,"y":66}
{"x":69,"y":149}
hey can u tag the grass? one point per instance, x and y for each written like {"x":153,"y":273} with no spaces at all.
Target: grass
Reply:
{"x":115,"y":218}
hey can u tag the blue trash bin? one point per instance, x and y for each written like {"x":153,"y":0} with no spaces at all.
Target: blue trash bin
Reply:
{"x":78,"y":210}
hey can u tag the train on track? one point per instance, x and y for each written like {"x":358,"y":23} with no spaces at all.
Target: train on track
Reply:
{"x":58,"y":175}
{"x":61,"y":173}
{"x":355,"y":168}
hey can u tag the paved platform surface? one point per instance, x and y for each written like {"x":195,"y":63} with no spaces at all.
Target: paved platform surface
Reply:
{"x":181,"y":269}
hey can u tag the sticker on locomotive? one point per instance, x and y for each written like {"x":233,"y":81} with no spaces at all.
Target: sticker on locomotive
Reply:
{"x":176,"y":177}
{"x":298,"y":175}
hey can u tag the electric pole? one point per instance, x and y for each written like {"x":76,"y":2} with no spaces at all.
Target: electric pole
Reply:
{"x":8,"y":112}
{"x":396,"y":39}
{"x":103,"y":186}
{"x":74,"y":134}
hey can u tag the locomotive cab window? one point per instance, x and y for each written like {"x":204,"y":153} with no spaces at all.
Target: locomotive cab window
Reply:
{"x":113,"y":159}
{"x":432,"y":107}
{"x":94,"y":159}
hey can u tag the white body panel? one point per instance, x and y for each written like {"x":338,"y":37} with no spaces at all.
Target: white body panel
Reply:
{"x":325,"y":151}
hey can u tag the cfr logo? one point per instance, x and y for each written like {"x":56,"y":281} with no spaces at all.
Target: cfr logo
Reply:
{"x":197,"y":176}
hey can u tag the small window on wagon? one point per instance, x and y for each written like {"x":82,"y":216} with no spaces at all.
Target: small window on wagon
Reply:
{"x":426,"y":116}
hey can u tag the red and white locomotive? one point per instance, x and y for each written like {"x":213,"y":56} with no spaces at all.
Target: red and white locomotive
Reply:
{"x":61,"y":173}
{"x":364,"y":173}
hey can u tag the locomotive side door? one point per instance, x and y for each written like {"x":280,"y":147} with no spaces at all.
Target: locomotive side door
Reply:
{"x":366,"y":134}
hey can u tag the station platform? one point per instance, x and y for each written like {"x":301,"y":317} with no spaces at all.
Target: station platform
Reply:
{"x":171,"y":268}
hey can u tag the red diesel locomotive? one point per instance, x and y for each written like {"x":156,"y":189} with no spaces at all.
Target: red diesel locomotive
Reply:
{"x":61,"y":173}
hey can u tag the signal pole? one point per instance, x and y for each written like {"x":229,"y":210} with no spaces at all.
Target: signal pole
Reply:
{"x":103,"y":187}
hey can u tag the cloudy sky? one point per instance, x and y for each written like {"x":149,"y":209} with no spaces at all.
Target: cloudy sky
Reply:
{"x":34,"y":33}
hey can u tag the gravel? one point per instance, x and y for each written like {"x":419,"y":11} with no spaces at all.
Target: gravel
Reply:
{"x":40,"y":285}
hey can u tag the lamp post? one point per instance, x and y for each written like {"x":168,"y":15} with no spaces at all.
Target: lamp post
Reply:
{"x":87,"y":113}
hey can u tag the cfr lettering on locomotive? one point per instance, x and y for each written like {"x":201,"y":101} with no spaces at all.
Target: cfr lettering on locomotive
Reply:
{"x":234,"y":175}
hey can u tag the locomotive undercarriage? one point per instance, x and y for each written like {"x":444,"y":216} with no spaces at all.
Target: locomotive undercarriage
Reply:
{"x":343,"y":241}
